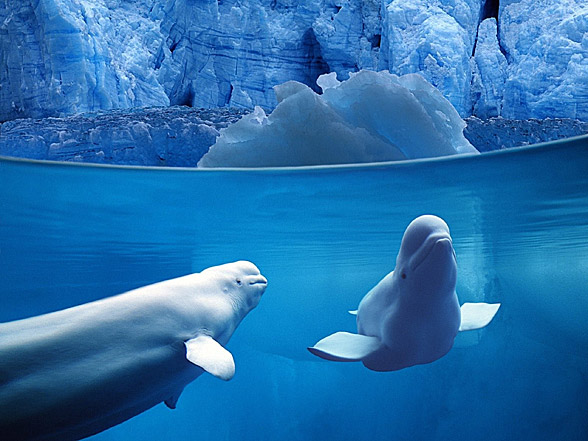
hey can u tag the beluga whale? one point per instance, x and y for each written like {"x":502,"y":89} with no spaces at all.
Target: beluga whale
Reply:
{"x":73,"y":373}
{"x":412,"y":315}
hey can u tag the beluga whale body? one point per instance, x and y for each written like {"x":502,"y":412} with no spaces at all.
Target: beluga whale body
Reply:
{"x":70,"y":374}
{"x":412,"y":316}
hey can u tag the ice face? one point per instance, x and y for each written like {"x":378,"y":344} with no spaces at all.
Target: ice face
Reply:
{"x":547,"y":50}
{"x":373,"y":116}
{"x":435,"y":39}
{"x":62,"y":57}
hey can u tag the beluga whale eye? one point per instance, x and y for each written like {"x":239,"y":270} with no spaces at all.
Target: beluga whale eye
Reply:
{"x":403,"y":275}
{"x":239,"y":282}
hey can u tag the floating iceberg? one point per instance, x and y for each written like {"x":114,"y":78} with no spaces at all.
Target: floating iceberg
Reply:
{"x":373,"y":116}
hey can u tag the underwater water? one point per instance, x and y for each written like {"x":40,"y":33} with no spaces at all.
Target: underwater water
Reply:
{"x":323,"y":236}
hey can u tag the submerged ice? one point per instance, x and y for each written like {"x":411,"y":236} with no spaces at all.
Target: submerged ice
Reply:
{"x":373,"y":116}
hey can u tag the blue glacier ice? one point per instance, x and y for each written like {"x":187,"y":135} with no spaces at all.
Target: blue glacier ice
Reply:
{"x":434,"y":38}
{"x":546,"y":45}
{"x":372,"y":116}
{"x":62,"y":57}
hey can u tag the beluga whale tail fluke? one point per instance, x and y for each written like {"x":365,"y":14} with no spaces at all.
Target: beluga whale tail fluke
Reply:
{"x":73,"y":373}
{"x":412,"y":315}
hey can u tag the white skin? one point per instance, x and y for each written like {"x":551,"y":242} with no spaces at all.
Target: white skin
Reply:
{"x":76,"y":372}
{"x":414,"y":310}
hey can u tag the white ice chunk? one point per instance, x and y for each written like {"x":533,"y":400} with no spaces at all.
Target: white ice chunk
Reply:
{"x":372,"y":116}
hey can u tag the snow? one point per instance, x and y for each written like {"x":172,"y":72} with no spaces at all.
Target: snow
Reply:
{"x":372,"y":116}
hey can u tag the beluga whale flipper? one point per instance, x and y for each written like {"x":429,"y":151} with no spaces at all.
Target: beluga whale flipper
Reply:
{"x":412,"y":315}
{"x":76,"y":372}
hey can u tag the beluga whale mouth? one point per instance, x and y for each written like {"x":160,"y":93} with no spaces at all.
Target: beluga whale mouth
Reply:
{"x":258,"y":280}
{"x":440,"y":239}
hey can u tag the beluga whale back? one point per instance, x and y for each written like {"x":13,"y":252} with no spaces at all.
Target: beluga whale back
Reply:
{"x":76,"y":372}
{"x":412,"y":315}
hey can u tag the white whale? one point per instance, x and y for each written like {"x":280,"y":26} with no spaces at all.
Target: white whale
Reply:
{"x":412,"y":316}
{"x":73,"y":373}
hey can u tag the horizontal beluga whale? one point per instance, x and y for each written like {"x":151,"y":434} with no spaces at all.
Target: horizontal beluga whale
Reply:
{"x":73,"y":373}
{"x":412,"y":315}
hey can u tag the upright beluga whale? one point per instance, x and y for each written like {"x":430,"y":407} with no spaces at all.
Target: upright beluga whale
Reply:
{"x":412,"y":315}
{"x":73,"y":373}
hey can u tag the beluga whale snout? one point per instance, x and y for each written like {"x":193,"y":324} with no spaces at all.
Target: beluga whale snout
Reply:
{"x":412,"y":315}
{"x":73,"y":373}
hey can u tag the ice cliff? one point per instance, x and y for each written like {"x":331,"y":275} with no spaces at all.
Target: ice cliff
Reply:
{"x":516,"y":59}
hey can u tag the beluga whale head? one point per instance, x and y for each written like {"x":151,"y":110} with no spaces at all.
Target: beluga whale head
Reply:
{"x":241,"y":282}
{"x":426,"y":262}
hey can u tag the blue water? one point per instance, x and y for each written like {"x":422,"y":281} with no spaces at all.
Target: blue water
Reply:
{"x":323,"y":237}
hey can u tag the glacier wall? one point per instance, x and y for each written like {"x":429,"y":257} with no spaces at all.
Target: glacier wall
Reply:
{"x":516,"y":59}
{"x":548,"y":61}
{"x":60,"y":57}
{"x":434,"y":38}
